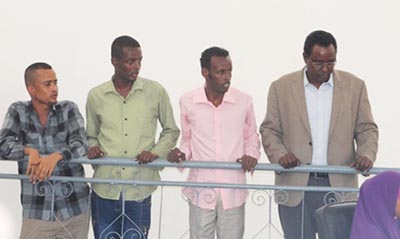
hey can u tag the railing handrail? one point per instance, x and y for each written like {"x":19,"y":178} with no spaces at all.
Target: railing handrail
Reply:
{"x":206,"y":165}
{"x":161,"y":163}
{"x":183,"y":184}
{"x":228,"y":165}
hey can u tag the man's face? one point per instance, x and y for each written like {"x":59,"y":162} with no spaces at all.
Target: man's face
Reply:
{"x":43,"y":87}
{"x":218,"y":76}
{"x":127,"y":67}
{"x":320,"y":63}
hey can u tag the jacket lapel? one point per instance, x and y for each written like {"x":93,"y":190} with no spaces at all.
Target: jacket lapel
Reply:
{"x":297,"y":88}
{"x":337,"y":101}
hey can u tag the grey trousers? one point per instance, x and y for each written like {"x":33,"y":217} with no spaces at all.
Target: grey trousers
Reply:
{"x":75,"y":227}
{"x":298,"y":223}
{"x":227,"y":224}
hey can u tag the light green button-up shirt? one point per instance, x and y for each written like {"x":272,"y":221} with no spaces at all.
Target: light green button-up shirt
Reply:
{"x":124,"y":127}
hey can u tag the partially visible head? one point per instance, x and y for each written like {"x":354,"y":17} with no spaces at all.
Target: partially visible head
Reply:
{"x":120,"y":42}
{"x":321,"y":38}
{"x":205,"y":60}
{"x":31,"y":69}
{"x":216,"y":68}
{"x":41,"y":83}
{"x":126,"y":57}
{"x":376,"y":207}
{"x":320,"y":56}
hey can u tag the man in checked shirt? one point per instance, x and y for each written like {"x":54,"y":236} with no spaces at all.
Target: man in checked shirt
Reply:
{"x":49,"y":133}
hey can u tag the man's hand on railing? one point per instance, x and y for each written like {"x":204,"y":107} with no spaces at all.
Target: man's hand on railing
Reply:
{"x":248,"y":163}
{"x":94,"y":152}
{"x":33,"y":163}
{"x":40,"y":168}
{"x":176,"y":156}
{"x":289,"y":160}
{"x":362,"y":164}
{"x":47,"y":165}
{"x":146,"y":157}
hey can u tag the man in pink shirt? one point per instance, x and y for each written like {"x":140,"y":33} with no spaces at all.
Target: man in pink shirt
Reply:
{"x":218,"y":124}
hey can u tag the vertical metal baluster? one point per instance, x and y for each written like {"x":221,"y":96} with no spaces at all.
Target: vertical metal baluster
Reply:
{"x":159,"y":217}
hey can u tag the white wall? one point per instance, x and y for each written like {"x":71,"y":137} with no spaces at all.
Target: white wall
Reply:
{"x":265,"y":39}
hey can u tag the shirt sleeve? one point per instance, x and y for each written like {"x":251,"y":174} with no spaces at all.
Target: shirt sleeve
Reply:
{"x":366,"y":131}
{"x":251,"y":137}
{"x":170,"y":132}
{"x":77,"y":143}
{"x":11,"y":145}
{"x":271,"y":129}
{"x":186,"y":131}
{"x":92,"y":123}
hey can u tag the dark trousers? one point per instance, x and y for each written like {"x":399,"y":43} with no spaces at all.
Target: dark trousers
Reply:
{"x":109,"y":221}
{"x":299,"y":222}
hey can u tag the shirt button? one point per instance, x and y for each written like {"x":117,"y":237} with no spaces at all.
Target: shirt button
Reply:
{"x":124,"y":102}
{"x":123,"y":168}
{"x":125,"y":152}
{"x":126,"y":134}
{"x":126,"y":118}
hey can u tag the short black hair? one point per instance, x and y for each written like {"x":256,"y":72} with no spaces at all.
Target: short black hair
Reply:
{"x":120,"y":42}
{"x":210,"y":52}
{"x":321,"y":38}
{"x":33,"y":67}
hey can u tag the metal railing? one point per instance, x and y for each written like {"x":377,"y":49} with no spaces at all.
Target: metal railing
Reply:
{"x":266,"y":189}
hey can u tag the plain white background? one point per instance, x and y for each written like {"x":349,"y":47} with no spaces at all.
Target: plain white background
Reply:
{"x":265,"y":39}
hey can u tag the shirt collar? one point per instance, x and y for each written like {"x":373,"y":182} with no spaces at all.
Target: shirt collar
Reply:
{"x":53,"y":107}
{"x":201,"y":97}
{"x":110,"y":88}
{"x":305,"y":80}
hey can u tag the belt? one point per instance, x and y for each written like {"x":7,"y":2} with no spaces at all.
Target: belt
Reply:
{"x":319,"y":175}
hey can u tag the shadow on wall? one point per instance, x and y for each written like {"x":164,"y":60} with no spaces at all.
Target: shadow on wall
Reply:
{"x":8,"y":227}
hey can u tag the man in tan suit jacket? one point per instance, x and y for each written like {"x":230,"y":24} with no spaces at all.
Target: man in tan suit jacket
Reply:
{"x":317,"y":116}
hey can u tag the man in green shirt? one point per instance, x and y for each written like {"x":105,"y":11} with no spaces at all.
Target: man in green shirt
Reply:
{"x":122,"y":117}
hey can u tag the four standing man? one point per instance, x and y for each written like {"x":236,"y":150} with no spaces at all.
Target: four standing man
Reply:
{"x":316,"y":116}
{"x":218,"y":124}
{"x":49,"y":133}
{"x":122,"y":116}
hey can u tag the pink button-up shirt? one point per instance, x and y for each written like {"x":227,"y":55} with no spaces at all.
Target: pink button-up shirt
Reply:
{"x":224,"y":134}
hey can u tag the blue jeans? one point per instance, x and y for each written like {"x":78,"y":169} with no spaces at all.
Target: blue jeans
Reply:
{"x":110,"y":220}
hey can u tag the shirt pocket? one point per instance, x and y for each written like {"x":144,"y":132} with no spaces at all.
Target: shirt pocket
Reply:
{"x":33,"y":139}
{"x":148,"y":122}
{"x":62,"y":137}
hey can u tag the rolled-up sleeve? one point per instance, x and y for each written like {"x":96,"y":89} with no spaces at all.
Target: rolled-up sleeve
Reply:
{"x":11,"y":145}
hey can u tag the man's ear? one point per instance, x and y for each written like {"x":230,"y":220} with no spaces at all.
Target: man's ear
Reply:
{"x":204,"y":72}
{"x":305,"y":57}
{"x":31,"y":89}
{"x":114,"y":61}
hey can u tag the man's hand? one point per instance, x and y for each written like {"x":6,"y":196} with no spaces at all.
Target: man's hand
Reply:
{"x":47,"y":166}
{"x":362,"y":164}
{"x":33,"y":163}
{"x":248,"y":163}
{"x":176,"y":156}
{"x":146,"y":157}
{"x":289,"y":160}
{"x":94,"y":152}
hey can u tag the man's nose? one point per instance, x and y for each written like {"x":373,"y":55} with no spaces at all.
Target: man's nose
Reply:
{"x":54,"y":87}
{"x":228,"y":76}
{"x":325,"y":67}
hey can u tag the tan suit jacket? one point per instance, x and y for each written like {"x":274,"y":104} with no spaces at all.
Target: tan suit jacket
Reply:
{"x":286,"y":129}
